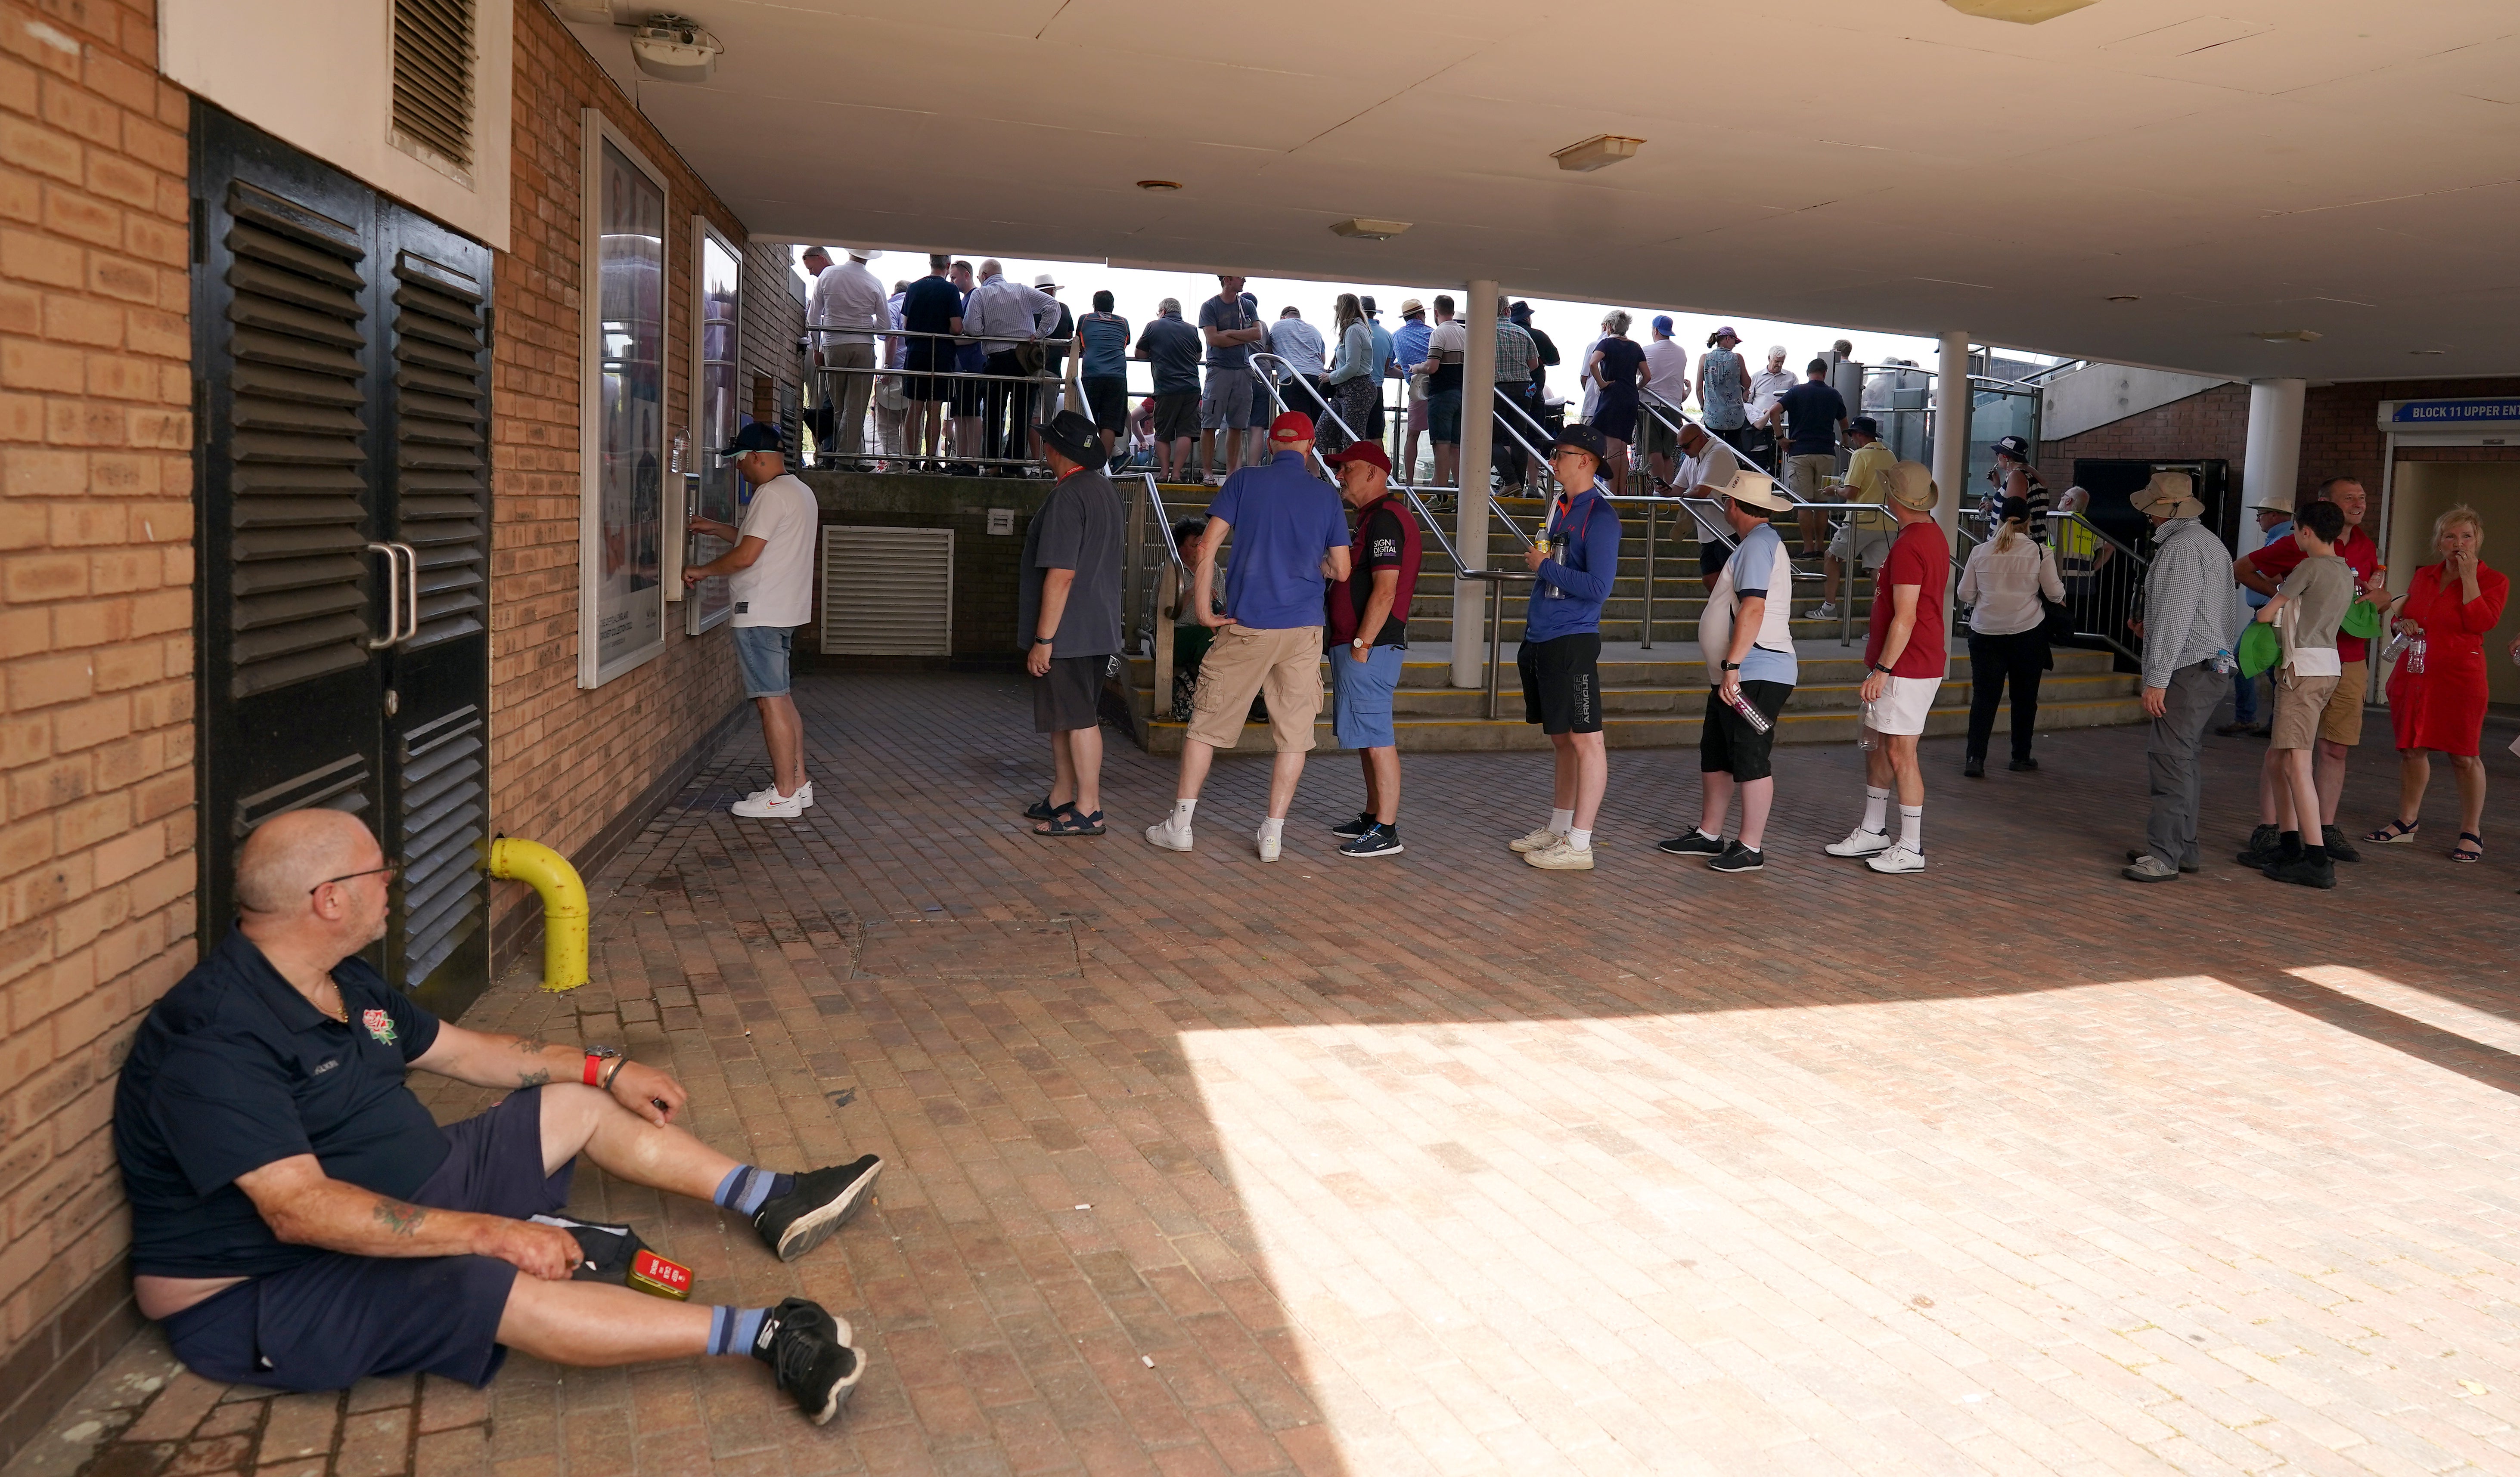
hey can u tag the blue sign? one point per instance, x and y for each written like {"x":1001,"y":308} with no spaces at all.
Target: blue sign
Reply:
{"x":2454,"y":412}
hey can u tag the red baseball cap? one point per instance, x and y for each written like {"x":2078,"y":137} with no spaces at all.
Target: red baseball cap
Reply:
{"x":1367,"y":452}
{"x":1294,"y":425}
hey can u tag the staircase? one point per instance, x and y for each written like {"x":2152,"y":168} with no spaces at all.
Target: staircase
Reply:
{"x":1652,"y":697}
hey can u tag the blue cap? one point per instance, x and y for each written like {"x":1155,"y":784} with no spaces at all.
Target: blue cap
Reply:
{"x":754,"y":435}
{"x":1662,"y":323}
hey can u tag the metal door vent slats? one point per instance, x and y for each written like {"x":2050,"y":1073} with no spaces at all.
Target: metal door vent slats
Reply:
{"x":443,"y":772}
{"x":442,"y":450}
{"x":888,"y":592}
{"x":341,"y":784}
{"x":297,"y":444}
{"x":433,"y":76}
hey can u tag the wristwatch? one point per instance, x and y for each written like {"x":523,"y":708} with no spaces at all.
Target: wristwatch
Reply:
{"x":596,"y":1074}
{"x":1884,"y":671}
{"x":1357,"y":645}
{"x":1043,"y":641}
{"x":1731,"y":666}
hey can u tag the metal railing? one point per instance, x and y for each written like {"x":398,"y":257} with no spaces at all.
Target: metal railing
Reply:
{"x":995,"y":405}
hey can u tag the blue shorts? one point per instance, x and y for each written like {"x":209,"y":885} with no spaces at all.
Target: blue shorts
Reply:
{"x":334,"y":1319}
{"x":762,"y":652}
{"x":1360,"y":696}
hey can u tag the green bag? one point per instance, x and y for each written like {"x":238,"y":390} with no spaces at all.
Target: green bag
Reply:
{"x":2260,"y":649}
{"x":2361,"y":618}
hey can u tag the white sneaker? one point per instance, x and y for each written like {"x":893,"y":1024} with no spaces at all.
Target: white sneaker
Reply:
{"x":771,"y":807}
{"x":1860,"y":842}
{"x":1825,"y":610}
{"x":1538,"y":840}
{"x":1897,"y":859}
{"x":1269,"y":844}
{"x":1560,"y":857}
{"x":804,"y":795}
{"x":1163,"y":834}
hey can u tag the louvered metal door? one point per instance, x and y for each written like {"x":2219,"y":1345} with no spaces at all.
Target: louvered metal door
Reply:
{"x":342,"y":363}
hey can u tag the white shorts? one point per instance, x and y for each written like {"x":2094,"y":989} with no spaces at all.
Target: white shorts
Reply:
{"x":1872,"y":546}
{"x":1903,"y":708}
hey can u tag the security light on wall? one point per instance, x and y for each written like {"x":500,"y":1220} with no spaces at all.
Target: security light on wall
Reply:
{"x":671,"y":48}
{"x":1363,"y":228}
{"x":1599,"y":152}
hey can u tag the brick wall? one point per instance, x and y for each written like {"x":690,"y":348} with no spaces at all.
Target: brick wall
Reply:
{"x":565,"y":762}
{"x":988,"y":567}
{"x":2340,"y":427}
{"x":773,"y":320}
{"x":96,"y":614}
{"x":2209,"y":424}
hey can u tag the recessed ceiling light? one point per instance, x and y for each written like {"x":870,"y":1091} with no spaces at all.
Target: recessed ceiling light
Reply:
{"x":1159,"y":187}
{"x":2427,"y":351}
{"x":1364,"y":228}
{"x":2288,"y":336}
{"x":2125,"y":297}
{"x":2019,"y":12}
{"x":1599,"y":152}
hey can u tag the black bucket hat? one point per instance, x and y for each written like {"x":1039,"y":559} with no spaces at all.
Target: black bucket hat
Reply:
{"x":1074,"y":437}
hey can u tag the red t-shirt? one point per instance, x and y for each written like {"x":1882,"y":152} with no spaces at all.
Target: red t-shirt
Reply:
{"x":1918,"y":557}
{"x":2276,"y":559}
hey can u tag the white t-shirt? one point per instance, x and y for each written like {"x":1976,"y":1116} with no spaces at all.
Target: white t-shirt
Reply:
{"x":1667,"y":371}
{"x":779,"y":589}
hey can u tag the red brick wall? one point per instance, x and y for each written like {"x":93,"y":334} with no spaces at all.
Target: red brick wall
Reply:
{"x":565,"y":762}
{"x":96,"y":614}
{"x":2340,"y":427}
{"x":2209,"y":424}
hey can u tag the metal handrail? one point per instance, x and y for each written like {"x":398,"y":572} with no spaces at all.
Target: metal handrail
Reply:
{"x":1496,"y":623}
{"x":1269,"y":384}
{"x":1164,"y":521}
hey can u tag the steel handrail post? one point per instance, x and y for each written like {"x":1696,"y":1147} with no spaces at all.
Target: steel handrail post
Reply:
{"x":1653,"y":514}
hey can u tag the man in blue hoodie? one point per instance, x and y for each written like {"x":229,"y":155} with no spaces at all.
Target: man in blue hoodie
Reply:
{"x":1573,"y":566}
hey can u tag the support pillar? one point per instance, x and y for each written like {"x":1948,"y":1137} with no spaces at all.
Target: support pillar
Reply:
{"x":1951,"y":433}
{"x":1471,"y":521}
{"x":2273,"y":463}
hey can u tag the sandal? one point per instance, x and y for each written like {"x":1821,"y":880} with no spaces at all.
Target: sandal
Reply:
{"x":2461,"y":853}
{"x":2395,"y":833}
{"x":1071,"y":821}
{"x":1040,"y":810}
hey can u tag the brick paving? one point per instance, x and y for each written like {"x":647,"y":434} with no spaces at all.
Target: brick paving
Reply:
{"x":1446,"y":1165}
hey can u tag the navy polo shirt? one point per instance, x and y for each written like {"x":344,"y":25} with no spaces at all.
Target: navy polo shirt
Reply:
{"x":234,"y":1069}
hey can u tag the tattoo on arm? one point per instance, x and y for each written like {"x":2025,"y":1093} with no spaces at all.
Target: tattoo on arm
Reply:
{"x":531,"y":1046}
{"x":400,"y":1218}
{"x":532,"y":1077}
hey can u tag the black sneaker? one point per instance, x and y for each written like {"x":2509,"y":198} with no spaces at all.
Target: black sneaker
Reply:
{"x":823,"y":1201}
{"x":2266,"y":844}
{"x":2306,"y":871}
{"x":1739,"y":858}
{"x":1349,"y":830}
{"x":1376,"y":841}
{"x":809,"y":1356}
{"x":1697,"y":843}
{"x":2023,"y":764}
{"x":2340,"y":847}
{"x":1973,"y":767}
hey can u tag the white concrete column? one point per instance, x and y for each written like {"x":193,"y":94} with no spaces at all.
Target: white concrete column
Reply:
{"x":1950,"y":433}
{"x":2273,"y":463}
{"x":1471,"y":525}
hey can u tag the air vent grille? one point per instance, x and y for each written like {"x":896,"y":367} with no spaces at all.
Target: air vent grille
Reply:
{"x":888,"y":592}
{"x":432,"y":83}
{"x":444,"y":768}
{"x":441,"y":463}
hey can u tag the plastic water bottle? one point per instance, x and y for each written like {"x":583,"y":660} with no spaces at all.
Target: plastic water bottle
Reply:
{"x":2224,"y":663}
{"x":2398,"y":641}
{"x":1750,"y":715}
{"x":2416,"y":656}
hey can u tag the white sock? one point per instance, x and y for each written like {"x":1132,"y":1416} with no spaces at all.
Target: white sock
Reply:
{"x":1581,"y":840}
{"x":1561,"y":821}
{"x":1178,"y":820}
{"x":1876,"y":808}
{"x":1911,"y":828}
{"x":1273,"y":828}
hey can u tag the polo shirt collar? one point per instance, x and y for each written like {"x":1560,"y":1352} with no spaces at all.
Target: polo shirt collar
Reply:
{"x":294,"y":1012}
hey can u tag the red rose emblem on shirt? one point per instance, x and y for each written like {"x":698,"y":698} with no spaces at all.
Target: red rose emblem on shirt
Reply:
{"x":379,"y":1025}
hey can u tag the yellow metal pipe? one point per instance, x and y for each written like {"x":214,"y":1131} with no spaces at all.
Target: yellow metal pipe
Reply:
{"x":565,"y":910}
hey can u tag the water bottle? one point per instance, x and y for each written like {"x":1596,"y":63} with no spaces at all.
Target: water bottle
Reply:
{"x":1750,"y":715}
{"x":2222,"y":662}
{"x":2398,"y":641}
{"x":2416,"y":656}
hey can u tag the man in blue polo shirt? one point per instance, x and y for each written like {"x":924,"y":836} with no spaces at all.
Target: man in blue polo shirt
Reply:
{"x":298,"y":1219}
{"x":1289,"y":539}
{"x":1573,"y":566}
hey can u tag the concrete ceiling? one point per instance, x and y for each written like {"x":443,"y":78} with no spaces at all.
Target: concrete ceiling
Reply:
{"x":2332,"y":165}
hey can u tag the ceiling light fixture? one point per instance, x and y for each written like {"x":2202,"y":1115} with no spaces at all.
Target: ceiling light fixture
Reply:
{"x":2427,"y":351}
{"x":1365,"y":228}
{"x":2125,"y":297}
{"x":673,"y":48}
{"x":1159,"y":187}
{"x":2288,"y":336}
{"x":2019,"y":12}
{"x":1599,"y":152}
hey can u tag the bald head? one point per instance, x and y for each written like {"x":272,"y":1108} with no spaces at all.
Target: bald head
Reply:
{"x":292,"y":853}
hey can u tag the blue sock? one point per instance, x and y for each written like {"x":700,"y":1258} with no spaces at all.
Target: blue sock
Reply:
{"x":733,"y":1331}
{"x":746,"y":1190}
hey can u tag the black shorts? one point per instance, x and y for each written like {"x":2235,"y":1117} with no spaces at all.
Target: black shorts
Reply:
{"x":921,"y":384}
{"x":1561,"y":683}
{"x":1176,"y":416}
{"x":1070,"y":695}
{"x":965,"y":395}
{"x":1726,"y":742}
{"x":1108,"y":399}
{"x":334,"y":1319}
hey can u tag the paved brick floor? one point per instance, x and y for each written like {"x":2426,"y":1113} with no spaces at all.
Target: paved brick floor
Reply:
{"x":1445,"y":1165}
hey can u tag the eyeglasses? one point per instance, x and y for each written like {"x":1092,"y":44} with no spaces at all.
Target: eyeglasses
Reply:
{"x":388,"y":870}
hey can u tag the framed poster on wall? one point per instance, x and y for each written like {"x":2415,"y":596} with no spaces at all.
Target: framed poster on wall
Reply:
{"x":621,"y":419}
{"x":718,"y":311}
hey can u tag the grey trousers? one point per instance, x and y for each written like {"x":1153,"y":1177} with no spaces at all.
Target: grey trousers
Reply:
{"x":850,"y":394}
{"x":2170,"y":759}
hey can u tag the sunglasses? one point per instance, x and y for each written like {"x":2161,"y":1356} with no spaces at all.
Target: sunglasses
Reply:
{"x":388,"y":870}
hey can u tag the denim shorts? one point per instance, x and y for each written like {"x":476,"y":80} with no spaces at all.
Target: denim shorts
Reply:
{"x":1361,"y":696}
{"x":762,"y":652}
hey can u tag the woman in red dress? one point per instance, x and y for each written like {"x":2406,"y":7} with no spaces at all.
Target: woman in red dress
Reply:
{"x":2437,"y":690}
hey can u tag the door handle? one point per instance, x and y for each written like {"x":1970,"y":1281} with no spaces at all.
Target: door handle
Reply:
{"x":411,"y":592}
{"x":393,"y":598}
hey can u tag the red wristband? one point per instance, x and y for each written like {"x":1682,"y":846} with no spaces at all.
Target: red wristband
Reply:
{"x":594,"y":1069}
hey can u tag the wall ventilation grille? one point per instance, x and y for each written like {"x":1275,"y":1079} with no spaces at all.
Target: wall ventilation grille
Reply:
{"x":433,"y":82}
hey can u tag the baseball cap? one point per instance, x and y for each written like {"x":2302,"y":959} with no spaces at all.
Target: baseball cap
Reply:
{"x":753,"y":435}
{"x":1290,"y":428}
{"x":1662,"y":323}
{"x":1584,"y":438}
{"x":1367,"y":452}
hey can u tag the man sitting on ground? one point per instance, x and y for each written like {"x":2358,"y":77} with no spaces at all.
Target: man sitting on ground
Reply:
{"x":299,"y":1222}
